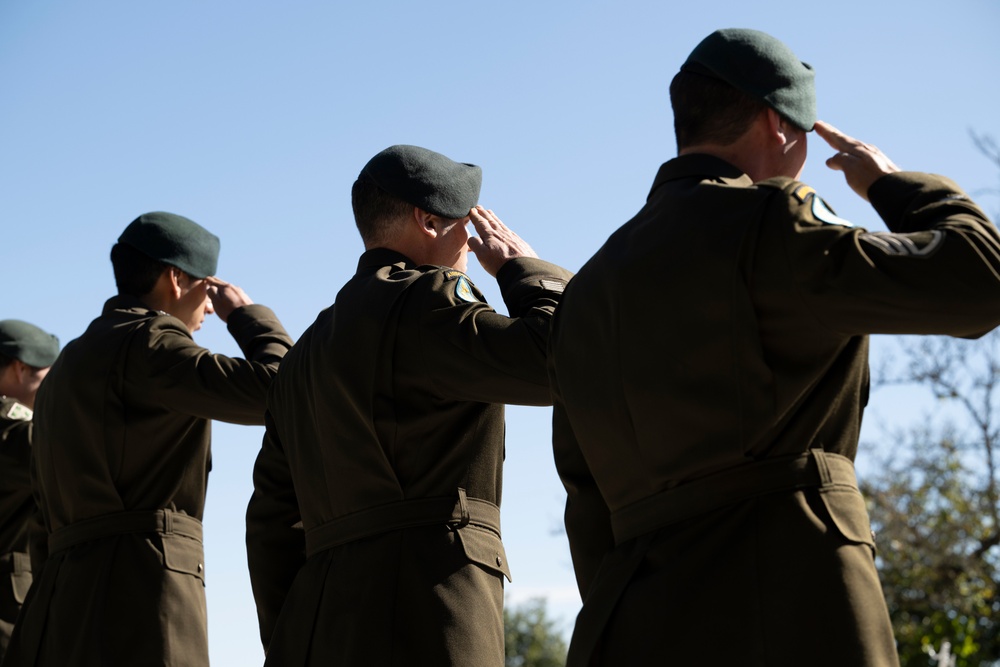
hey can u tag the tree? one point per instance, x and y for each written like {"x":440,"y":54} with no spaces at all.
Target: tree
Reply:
{"x":936,"y":502}
{"x":530,"y":637}
{"x":989,"y":147}
{"x":934,"y":509}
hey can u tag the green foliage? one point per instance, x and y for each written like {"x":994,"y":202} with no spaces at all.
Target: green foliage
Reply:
{"x":530,"y":637}
{"x":934,"y":506}
{"x":939,"y":582}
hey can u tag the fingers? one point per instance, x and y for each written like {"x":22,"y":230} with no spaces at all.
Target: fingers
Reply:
{"x":838,"y":161}
{"x":496,"y":242}
{"x":831,"y":135}
{"x":484,"y":219}
{"x":840,"y":141}
{"x":485,"y":223}
{"x":477,"y":218}
{"x":222,"y":293}
{"x":846,"y":145}
{"x":215,"y":286}
{"x":215,"y":282}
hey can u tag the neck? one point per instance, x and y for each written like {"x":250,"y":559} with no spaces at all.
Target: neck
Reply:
{"x":760,"y":152}
{"x":12,"y":387}
{"x":746,"y":162}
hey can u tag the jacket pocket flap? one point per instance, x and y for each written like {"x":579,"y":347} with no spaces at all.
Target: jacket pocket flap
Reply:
{"x":484,"y":548}
{"x":183,"y":554}
{"x":847,"y":509}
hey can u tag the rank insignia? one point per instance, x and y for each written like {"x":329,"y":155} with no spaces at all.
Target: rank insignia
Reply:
{"x":463,"y":290}
{"x":916,"y":244}
{"x":557,"y":286}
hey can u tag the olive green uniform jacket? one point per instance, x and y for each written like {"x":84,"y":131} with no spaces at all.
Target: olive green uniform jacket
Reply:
{"x":385,"y":438}
{"x":18,"y":513}
{"x":713,"y":341}
{"x":121,"y":456}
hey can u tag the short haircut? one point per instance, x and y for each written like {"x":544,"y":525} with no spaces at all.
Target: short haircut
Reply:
{"x":376,"y":211}
{"x":709,"y":110}
{"x":135,"y":272}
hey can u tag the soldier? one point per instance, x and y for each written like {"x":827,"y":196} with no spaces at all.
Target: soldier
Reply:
{"x":122,"y":454}
{"x":710,"y":368}
{"x":385,"y":434}
{"x":26,"y":352}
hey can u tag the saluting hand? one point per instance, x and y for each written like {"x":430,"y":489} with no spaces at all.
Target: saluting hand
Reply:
{"x":862,"y":163}
{"x":496,"y":242}
{"x":226,"y":297}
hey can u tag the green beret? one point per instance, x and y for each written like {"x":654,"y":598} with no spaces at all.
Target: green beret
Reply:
{"x":174,"y":240}
{"x":28,"y":344}
{"x":426,"y":179}
{"x":761,"y":66}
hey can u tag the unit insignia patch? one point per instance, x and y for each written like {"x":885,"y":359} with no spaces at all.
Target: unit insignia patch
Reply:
{"x":16,"y":411}
{"x":463,"y":290}
{"x":823,"y":213}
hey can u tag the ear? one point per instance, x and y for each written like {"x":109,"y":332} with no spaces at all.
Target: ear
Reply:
{"x":426,"y":222}
{"x":777,"y":127}
{"x":175,"y":280}
{"x":21,"y":371}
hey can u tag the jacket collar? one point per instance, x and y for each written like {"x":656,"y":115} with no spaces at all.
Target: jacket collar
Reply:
{"x":378,"y":257}
{"x":701,"y":166}
{"x":127,"y":302}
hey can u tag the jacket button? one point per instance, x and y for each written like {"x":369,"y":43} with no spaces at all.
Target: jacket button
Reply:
{"x":201,"y":568}
{"x":499,"y":560}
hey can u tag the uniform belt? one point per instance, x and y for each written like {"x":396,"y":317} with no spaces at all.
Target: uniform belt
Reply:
{"x":164,"y":522}
{"x":457,"y":512}
{"x":814,"y":469}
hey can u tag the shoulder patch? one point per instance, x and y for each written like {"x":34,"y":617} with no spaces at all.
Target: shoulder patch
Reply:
{"x":917,"y":244}
{"x":451,"y":274}
{"x":16,"y":411}
{"x":463,"y":290}
{"x":824,"y":214}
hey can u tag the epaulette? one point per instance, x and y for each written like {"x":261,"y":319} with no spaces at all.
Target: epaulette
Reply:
{"x":807,"y":196}
{"x":777,"y":183}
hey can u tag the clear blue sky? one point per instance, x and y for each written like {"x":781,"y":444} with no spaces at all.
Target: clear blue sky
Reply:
{"x":254,"y":118}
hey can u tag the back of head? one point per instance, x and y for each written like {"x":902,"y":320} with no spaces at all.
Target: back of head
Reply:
{"x":135,"y":273}
{"x":730,"y":77}
{"x":709,"y":111}
{"x":156,"y":240}
{"x":402,"y":177}
{"x":375,"y":211}
{"x":26,"y":343}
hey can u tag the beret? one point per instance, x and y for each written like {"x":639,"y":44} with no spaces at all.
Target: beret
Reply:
{"x":174,"y":240}
{"x":28,"y":344}
{"x":426,"y":179}
{"x":760,"y":66}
